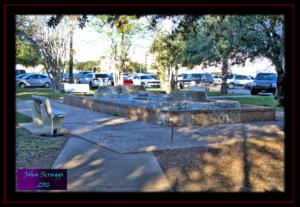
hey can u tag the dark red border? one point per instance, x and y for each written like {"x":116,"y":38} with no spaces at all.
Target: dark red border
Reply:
{"x":150,"y":202}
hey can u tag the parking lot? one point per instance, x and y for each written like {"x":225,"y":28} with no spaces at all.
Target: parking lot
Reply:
{"x":241,"y":90}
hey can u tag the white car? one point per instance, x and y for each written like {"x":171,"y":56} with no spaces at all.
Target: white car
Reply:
{"x":145,"y":80}
{"x":96,"y":80}
{"x":237,"y":80}
{"x":217,"y":79}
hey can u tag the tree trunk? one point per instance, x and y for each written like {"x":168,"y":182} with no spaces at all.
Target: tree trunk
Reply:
{"x":176,"y":78}
{"x":224,"y":75}
{"x":168,"y":81}
{"x":281,"y":82}
{"x":71,"y":80}
{"x":56,"y":85}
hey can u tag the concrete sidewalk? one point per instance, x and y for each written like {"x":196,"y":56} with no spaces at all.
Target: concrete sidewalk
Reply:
{"x":127,"y":136}
{"x":94,"y":169}
{"x":111,"y":153}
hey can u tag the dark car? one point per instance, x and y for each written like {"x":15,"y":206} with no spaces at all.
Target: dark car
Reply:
{"x":264,"y":82}
{"x":195,"y":79}
{"x":248,"y":85}
{"x":18,"y":72}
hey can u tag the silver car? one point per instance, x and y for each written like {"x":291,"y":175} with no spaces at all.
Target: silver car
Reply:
{"x":96,"y":80}
{"x":20,"y":76}
{"x":34,"y":79}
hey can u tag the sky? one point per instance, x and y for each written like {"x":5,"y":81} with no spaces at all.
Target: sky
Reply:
{"x":89,"y":45}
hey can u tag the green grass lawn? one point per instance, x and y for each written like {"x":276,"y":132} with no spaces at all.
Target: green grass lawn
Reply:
{"x":20,"y":118}
{"x":213,"y":93}
{"x":30,"y":148}
{"x":26,"y":93}
{"x":257,"y":100}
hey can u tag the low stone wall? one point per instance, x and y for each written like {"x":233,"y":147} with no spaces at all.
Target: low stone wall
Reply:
{"x":178,"y":118}
{"x":121,"y":89}
{"x":189,"y":95}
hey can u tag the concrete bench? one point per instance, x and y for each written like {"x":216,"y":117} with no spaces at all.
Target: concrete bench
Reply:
{"x":76,"y":88}
{"x":46,"y":116}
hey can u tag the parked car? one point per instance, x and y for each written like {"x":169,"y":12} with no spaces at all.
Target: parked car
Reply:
{"x":66,"y":77}
{"x":234,"y":80}
{"x":127,"y":81}
{"x":34,"y":79}
{"x":20,"y":76}
{"x":181,"y":76}
{"x":145,"y":80}
{"x":248,"y":85}
{"x":18,"y":71}
{"x":95,"y":80}
{"x":264,"y":82}
{"x":82,"y":73}
{"x":195,"y":79}
{"x":155,"y":77}
{"x":217,"y":79}
{"x":77,"y":76}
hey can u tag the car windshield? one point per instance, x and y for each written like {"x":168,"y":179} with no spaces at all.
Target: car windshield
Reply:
{"x":88,"y":75}
{"x":229,"y":76}
{"x":101,"y":75}
{"x":266,"y":76}
{"x":21,"y":75}
{"x":193,"y":76}
{"x":146,"y":77}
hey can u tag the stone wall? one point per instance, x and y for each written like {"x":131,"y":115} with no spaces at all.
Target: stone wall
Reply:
{"x":178,"y":118}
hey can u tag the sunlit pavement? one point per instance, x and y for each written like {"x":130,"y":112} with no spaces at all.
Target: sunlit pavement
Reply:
{"x":105,"y":148}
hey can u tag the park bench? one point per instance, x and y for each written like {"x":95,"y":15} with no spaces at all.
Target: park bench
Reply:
{"x":47,"y":116}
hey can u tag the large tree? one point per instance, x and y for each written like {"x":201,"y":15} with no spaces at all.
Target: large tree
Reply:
{"x":54,"y":20}
{"x":232,"y":39}
{"x":168,"y":48}
{"x":218,"y":40}
{"x":266,"y":38}
{"x":50,"y":43}
{"x":120,"y":31}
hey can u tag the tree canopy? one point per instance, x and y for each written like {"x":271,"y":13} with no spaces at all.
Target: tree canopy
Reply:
{"x":25,"y":53}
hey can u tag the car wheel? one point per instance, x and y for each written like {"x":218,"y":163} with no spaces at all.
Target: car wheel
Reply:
{"x":254,"y":92}
{"x":22,"y":85}
{"x":231,"y":86}
{"x":90,"y":85}
{"x":47,"y":85}
{"x":181,"y":86}
{"x":274,"y":93}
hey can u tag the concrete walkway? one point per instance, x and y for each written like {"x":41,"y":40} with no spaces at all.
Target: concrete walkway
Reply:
{"x":92,"y":168}
{"x":95,"y":169}
{"x":127,"y":136}
{"x":111,"y":153}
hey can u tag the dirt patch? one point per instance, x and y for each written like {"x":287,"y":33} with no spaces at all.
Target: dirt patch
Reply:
{"x":226,"y":168}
